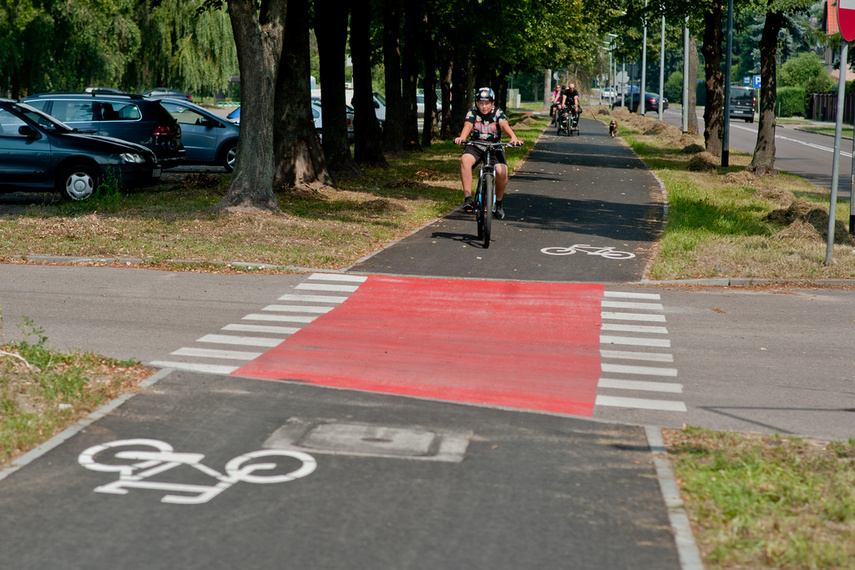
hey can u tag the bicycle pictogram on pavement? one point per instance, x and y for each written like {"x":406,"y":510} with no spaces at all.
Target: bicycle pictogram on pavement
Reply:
{"x":143,"y":459}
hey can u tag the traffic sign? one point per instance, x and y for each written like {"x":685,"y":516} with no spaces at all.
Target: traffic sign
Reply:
{"x":846,"y":19}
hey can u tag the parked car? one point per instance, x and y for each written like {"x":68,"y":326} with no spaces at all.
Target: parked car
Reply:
{"x":743,"y":103}
{"x":651,"y":102}
{"x":37,"y":152}
{"x":104,"y":90}
{"x":608,"y":92}
{"x":208,"y":138}
{"x":317,"y":114}
{"x":159,"y":92}
{"x":128,"y":117}
{"x":420,"y":106}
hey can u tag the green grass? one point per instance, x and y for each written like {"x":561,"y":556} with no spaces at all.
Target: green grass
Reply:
{"x":767,"y":501}
{"x":42,"y":391}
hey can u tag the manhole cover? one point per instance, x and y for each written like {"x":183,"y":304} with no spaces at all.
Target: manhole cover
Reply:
{"x":347,"y":438}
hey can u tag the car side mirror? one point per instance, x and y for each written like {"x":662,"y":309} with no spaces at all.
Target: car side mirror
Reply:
{"x":28,"y":131}
{"x":376,"y":105}
{"x":210,"y":123}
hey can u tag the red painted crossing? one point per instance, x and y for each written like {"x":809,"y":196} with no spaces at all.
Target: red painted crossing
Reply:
{"x":533,"y":346}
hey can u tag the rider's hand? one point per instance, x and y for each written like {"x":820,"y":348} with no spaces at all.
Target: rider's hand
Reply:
{"x":516,"y":142}
{"x":459,"y":140}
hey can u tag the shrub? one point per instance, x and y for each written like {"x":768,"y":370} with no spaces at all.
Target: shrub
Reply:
{"x":791,"y":101}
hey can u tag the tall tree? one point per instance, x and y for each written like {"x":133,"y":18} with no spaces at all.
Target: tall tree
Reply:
{"x":413,"y":24}
{"x":393,"y":131}
{"x":258,"y":29}
{"x":367,"y":144}
{"x":299,"y":162}
{"x":331,"y":30}
{"x":713,"y":114}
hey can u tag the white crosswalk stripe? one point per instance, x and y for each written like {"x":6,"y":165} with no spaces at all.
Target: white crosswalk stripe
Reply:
{"x":620,"y":328}
{"x":268,"y":328}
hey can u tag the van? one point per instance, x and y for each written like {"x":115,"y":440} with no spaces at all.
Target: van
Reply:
{"x":743,"y":103}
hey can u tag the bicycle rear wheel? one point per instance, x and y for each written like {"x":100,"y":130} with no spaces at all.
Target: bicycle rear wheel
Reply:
{"x":487,"y":211}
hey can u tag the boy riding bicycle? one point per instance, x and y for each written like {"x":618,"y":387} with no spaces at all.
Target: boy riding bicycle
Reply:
{"x":485,"y":121}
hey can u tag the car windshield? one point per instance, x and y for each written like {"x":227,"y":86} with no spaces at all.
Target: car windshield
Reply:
{"x":41,"y":118}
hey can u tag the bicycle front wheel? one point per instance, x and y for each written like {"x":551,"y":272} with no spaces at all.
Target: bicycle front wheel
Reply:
{"x":479,"y":210}
{"x":487,"y":212}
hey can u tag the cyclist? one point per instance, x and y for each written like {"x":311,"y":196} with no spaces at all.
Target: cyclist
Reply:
{"x":555,"y":100}
{"x":485,"y":122}
{"x":571,"y":100}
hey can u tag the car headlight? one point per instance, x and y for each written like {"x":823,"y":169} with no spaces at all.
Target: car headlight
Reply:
{"x":132,"y":157}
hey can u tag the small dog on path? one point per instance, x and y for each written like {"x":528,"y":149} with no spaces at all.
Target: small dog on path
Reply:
{"x":613,"y":128}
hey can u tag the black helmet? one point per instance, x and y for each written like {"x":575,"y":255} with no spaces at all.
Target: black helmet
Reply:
{"x":485,"y":94}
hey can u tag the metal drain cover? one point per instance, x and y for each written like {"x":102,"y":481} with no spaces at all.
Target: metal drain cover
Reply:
{"x":345,"y":438}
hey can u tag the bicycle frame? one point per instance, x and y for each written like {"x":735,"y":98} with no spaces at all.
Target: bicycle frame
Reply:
{"x":485,"y":193}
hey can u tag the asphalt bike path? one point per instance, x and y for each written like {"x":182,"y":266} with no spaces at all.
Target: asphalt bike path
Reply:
{"x":588,"y":200}
{"x":483,"y":465}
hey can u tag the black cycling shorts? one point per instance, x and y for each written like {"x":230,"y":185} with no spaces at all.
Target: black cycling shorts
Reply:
{"x":479,"y":154}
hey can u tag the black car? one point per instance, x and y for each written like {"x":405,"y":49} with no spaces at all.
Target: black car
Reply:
{"x":651,"y":102}
{"x":128,"y":117}
{"x":37,"y":152}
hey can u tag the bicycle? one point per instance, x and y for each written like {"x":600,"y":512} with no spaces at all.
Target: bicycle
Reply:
{"x":485,"y":193}
{"x":568,"y":121}
{"x":145,"y":458}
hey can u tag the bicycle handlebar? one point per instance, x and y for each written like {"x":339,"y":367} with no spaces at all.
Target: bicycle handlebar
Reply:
{"x":492,"y":145}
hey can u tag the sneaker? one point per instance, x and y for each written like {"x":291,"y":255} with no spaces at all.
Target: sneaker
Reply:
{"x":468,"y":204}
{"x":499,"y":213}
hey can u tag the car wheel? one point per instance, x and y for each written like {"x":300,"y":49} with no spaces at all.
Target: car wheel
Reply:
{"x":78,"y":182}
{"x":230,"y":157}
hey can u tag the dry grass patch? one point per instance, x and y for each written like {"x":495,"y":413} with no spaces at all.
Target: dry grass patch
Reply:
{"x":726,"y":222}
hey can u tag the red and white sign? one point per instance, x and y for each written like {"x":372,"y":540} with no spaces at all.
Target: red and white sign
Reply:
{"x":846,"y":18}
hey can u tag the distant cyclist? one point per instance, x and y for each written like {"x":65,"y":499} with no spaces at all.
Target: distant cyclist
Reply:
{"x":555,"y":101}
{"x":484,"y":122}
{"x":572,"y":101}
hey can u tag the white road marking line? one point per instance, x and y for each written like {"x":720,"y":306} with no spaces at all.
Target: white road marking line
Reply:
{"x":224,"y":354}
{"x":630,"y":341}
{"x":337,"y":277}
{"x":313,"y":298}
{"x":632,"y":317}
{"x":633,"y":328}
{"x":641,"y":403}
{"x":327,"y":287}
{"x":641,"y":370}
{"x":648,"y":356}
{"x":261,"y":329}
{"x":206,"y":368}
{"x":279,"y":318}
{"x":297,"y":309}
{"x":629,"y":305}
{"x":641,"y":385}
{"x":241,"y":340}
{"x":625,"y":295}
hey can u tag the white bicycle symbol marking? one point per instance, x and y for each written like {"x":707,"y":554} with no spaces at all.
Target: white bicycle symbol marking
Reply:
{"x":606,"y":252}
{"x":147,"y":463}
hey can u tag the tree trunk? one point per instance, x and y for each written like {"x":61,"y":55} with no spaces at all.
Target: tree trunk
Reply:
{"x":462,"y":89}
{"x":368,"y":138}
{"x":298,"y":159}
{"x":694,"y":63}
{"x":547,"y":90}
{"x":258,"y":39}
{"x":393,"y":130}
{"x":331,"y":30}
{"x":446,"y":131}
{"x":429,"y":122}
{"x":410,"y":60}
{"x":763,"y":161}
{"x":713,"y":111}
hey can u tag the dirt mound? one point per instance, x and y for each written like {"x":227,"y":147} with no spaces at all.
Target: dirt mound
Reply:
{"x":803,"y":220}
{"x":703,"y":162}
{"x":743,"y":177}
{"x":776,"y":195}
{"x":692,"y":148}
{"x":603,"y":111}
